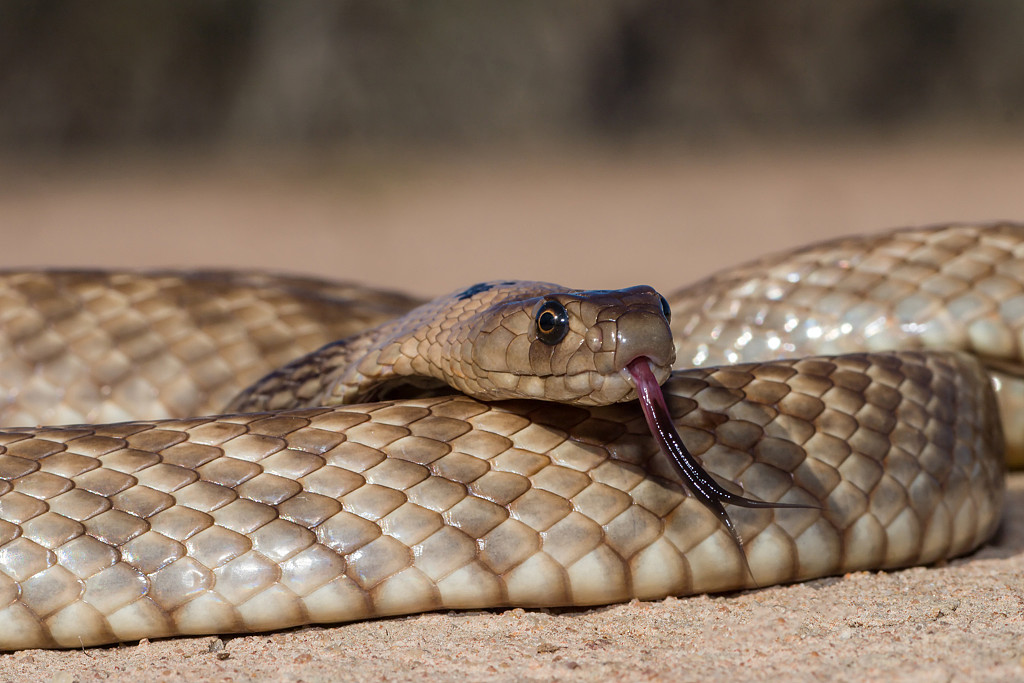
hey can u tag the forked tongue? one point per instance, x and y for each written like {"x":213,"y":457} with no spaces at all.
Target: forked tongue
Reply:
{"x":703,"y":487}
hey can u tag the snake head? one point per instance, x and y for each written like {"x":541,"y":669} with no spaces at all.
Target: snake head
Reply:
{"x":492,"y":341}
{"x":562,"y":345}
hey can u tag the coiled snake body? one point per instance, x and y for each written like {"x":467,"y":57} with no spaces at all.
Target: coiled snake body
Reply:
{"x":244,"y":522}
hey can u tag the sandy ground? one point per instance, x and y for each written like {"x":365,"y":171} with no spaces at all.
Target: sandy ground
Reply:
{"x":593,"y":220}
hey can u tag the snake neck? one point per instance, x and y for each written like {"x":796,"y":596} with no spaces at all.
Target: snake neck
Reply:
{"x":371,"y":366}
{"x":383,"y":364}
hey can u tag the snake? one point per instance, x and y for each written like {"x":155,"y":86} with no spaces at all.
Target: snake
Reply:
{"x":246,"y":452}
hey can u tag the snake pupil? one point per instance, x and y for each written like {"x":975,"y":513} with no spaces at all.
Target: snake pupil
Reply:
{"x":665,"y":309}
{"x":552,"y":323}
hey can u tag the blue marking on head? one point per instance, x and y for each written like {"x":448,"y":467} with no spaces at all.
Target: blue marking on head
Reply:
{"x":470,"y":292}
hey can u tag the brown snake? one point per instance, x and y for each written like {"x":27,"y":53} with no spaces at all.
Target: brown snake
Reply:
{"x":262,"y":521}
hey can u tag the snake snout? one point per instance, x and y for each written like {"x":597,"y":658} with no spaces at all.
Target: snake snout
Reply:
{"x":644,"y":333}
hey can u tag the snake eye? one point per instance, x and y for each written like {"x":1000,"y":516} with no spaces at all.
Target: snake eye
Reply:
{"x":552,"y":323}
{"x":665,"y":310}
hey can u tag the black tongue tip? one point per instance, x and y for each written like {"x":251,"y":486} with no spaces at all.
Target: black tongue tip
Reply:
{"x":696,"y":479}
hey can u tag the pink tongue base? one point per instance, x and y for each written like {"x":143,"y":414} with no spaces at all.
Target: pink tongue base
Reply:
{"x":703,"y":487}
{"x":647,"y":388}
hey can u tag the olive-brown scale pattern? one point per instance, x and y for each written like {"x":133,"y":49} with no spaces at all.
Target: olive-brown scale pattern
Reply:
{"x":257,"y":522}
{"x":945,"y":287}
{"x":900,"y":451}
{"x":90,"y":346}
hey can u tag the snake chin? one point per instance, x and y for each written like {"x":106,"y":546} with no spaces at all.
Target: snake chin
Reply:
{"x":404,"y":388}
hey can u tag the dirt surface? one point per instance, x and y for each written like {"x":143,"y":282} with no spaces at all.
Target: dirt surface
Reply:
{"x":589,"y":220}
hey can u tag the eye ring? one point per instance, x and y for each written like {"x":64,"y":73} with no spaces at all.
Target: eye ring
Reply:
{"x":666,"y":310}
{"x":552,"y":321}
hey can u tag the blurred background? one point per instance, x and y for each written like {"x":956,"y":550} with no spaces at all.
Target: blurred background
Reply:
{"x":424,"y":146}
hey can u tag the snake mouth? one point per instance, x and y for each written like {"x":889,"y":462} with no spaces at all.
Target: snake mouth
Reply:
{"x":658,"y":372}
{"x":695,"y":478}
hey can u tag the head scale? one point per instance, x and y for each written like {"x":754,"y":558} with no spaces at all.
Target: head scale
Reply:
{"x":542,"y":341}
